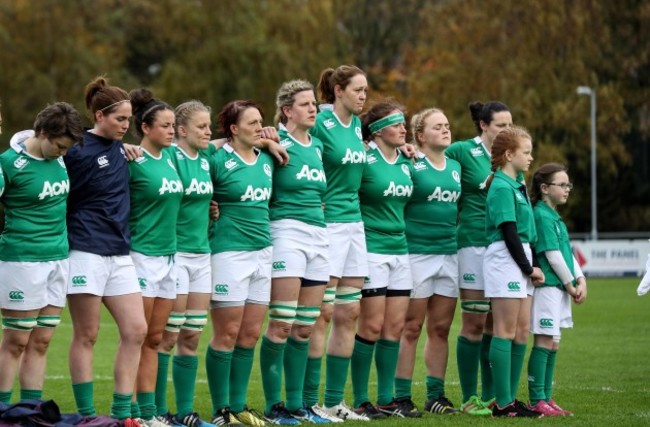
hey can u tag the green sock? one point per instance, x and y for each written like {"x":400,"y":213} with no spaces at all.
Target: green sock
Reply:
{"x":240,"y":374}
{"x":5,"y":396}
{"x":161,"y":383}
{"x":271,"y":356}
{"x":217,"y":366}
{"x":537,"y":374}
{"x":467,"y":357}
{"x":500,"y":358}
{"x":386,"y":362}
{"x":518,"y":356}
{"x":435,"y":387}
{"x":295,"y":361}
{"x":83,"y":397}
{"x":311,"y":388}
{"x":336,"y":374}
{"x":487,"y":386}
{"x":27,"y":394}
{"x":135,"y":409}
{"x":147,"y":403}
{"x":184,"y":375}
{"x":403,"y":387}
{"x":121,"y":406}
{"x":550,"y":370}
{"x":360,"y":363}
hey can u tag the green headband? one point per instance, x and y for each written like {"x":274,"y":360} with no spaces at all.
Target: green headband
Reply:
{"x":384,"y":122}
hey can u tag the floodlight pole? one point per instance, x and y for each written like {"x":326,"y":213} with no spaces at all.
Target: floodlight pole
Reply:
{"x":588,"y":91}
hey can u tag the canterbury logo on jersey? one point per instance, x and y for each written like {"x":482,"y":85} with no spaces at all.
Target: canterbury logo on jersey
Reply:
{"x":16,"y":296}
{"x":311,"y":174}
{"x":54,"y":189}
{"x":173,"y":186}
{"x":279,"y":266}
{"x":545,"y":323}
{"x":286,"y":143}
{"x":477,"y":152}
{"x":256,"y":194}
{"x":78,"y":281}
{"x":514,"y":286}
{"x":419,"y":166}
{"x":230,"y":163}
{"x":20,"y":162}
{"x":370,"y":159}
{"x":444,"y":195}
{"x":353,"y":157}
{"x":398,"y":190}
{"x":329,"y":124}
{"x":221,"y":289}
{"x":102,"y":161}
{"x":196,"y":187}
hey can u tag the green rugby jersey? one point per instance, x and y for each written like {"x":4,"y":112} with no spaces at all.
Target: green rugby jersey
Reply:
{"x":344,"y":156}
{"x":431,"y":213}
{"x":35,"y":195}
{"x":193,"y":216}
{"x":299,"y":186}
{"x":243,"y":192}
{"x":475,"y":165}
{"x":385,"y":189}
{"x":156,"y":193}
{"x":507,"y":203}
{"x":552,"y":235}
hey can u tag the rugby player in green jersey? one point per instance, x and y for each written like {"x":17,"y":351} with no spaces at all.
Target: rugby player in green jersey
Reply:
{"x":508,"y":266}
{"x":476,"y":331}
{"x":34,"y":247}
{"x":563,"y":280}
{"x":344,"y":157}
{"x":241,"y":260}
{"x":431,"y":235}
{"x":156,"y":193}
{"x":189,"y":315}
{"x":386,"y":187}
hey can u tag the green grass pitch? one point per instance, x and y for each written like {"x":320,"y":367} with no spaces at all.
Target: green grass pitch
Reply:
{"x":602,"y":374}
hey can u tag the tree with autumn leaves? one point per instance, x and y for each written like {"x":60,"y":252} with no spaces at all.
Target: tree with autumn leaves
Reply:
{"x":529,"y":54}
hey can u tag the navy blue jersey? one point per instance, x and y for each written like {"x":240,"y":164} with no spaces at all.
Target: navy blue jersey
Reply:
{"x":98,"y":204}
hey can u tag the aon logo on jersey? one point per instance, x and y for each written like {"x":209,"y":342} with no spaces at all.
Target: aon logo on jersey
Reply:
{"x":444,"y":196}
{"x":173,"y":186}
{"x":398,"y":190}
{"x":311,"y":174}
{"x":354,"y":157}
{"x":256,"y":194}
{"x":196,"y":187}
{"x":54,"y":189}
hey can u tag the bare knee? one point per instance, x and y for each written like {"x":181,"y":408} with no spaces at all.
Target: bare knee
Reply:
{"x":412,"y":331}
{"x":39,"y":345}
{"x":278,"y":331}
{"x":326,"y":311}
{"x":134,"y":334}
{"x":473,"y":325}
{"x":346,"y":314}
{"x":168,"y":342}
{"x":248,"y":335}
{"x":439,"y":331}
{"x":16,"y":346}
{"x":301,"y":332}
{"x":188,"y":342}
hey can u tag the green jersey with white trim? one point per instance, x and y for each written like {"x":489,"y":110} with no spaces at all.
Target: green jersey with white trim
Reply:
{"x":193,"y":218}
{"x":156,"y":193}
{"x":507,"y":201}
{"x":299,"y":186}
{"x":243,"y":192}
{"x":385,"y":189}
{"x":2,"y":182}
{"x":35,"y":195}
{"x":431,"y":213}
{"x":475,"y":165}
{"x":552,"y":235}
{"x":344,"y":157}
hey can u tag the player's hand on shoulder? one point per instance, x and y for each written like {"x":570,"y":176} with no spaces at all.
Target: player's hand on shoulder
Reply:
{"x":409,"y":151}
{"x":132,"y":152}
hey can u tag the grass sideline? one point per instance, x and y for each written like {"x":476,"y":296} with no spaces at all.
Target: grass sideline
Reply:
{"x":601,"y":374}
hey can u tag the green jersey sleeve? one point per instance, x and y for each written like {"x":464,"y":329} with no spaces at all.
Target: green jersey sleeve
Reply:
{"x":156,"y":194}
{"x":243,"y":192}
{"x":34,"y":198}
{"x":344,"y":156}
{"x":552,"y":235}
